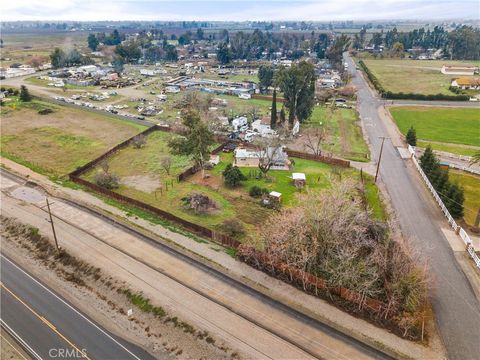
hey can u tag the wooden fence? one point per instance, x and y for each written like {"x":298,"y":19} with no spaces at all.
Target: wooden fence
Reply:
{"x":308,"y":281}
{"x":267,"y":97}
{"x":320,"y":158}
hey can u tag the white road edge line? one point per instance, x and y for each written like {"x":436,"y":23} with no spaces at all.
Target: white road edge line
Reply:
{"x":72,"y":308}
{"x":20,"y":340}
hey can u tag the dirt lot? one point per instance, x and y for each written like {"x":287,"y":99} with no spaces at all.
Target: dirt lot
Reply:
{"x":59,"y":142}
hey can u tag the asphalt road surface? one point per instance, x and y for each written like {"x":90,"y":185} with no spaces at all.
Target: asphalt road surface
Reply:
{"x":456,"y":308}
{"x":51,"y":328}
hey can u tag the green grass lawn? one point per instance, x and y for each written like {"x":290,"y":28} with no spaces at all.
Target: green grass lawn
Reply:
{"x":344,"y":134}
{"x":443,"y":128}
{"x":471,"y":187}
{"x":416,"y":76}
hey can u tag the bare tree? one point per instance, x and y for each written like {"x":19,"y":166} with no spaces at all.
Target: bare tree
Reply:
{"x":105,"y":166}
{"x":313,"y":141}
{"x":166,"y":163}
{"x":330,"y":234}
{"x":269,"y":150}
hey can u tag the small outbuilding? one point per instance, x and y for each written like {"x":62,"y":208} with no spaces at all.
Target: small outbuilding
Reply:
{"x":275,"y":196}
{"x":299,"y":180}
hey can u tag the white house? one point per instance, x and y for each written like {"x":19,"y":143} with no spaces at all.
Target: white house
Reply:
{"x":466,"y":83}
{"x":251,"y":158}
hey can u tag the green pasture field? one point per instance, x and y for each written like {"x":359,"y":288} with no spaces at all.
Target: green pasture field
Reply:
{"x":455,"y":130}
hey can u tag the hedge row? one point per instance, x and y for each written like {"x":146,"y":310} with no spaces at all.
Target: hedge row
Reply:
{"x":407,"y":96}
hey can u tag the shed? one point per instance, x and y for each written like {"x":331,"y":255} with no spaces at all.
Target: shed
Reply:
{"x":275,"y":196}
{"x":299,"y":179}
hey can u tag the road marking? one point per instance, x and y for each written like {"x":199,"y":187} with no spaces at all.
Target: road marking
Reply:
{"x":19,"y":339}
{"x":71,"y":307}
{"x":45,"y":321}
{"x":13,"y":347}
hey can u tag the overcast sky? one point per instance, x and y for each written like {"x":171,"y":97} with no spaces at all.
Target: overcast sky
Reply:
{"x":238,"y":9}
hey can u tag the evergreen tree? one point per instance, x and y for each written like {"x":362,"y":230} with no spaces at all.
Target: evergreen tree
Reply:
{"x":282,"y":115}
{"x":428,"y":161}
{"x":233,"y":176}
{"x":24,"y":94}
{"x":412,"y":136}
{"x":454,"y":201}
{"x":273,"y":116}
{"x":223,"y":53}
{"x":92,"y":42}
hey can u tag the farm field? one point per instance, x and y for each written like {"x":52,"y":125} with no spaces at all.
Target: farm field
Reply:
{"x":23,"y":47}
{"x":142,"y":177}
{"x":455,"y":130}
{"x":57,"y":143}
{"x":471,"y":187}
{"x":413,"y":76}
{"x":344,"y":136}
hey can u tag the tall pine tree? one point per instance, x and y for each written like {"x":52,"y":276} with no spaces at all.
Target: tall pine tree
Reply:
{"x":273,"y":116}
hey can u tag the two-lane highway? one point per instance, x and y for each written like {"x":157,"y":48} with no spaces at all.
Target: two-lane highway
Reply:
{"x":48,"y":327}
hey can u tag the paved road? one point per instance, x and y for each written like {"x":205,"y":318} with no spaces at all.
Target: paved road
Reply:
{"x":250,"y":320}
{"x":49,"y":326}
{"x":466,"y":104}
{"x":456,"y":308}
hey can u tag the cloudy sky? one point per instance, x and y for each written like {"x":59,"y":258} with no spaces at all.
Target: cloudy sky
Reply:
{"x":238,"y":9}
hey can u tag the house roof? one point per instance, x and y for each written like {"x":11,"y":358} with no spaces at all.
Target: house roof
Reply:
{"x":298,"y":176}
{"x":275,"y":194}
{"x":466,"y":81}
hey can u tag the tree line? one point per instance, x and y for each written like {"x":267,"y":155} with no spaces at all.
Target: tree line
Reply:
{"x":462,"y":43}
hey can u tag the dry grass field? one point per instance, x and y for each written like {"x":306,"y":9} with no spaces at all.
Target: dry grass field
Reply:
{"x":413,"y":76}
{"x":57,"y":143}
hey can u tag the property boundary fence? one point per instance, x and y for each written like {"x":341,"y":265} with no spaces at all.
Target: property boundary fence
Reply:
{"x":308,"y":281}
{"x":320,"y":158}
{"x":457,"y":228}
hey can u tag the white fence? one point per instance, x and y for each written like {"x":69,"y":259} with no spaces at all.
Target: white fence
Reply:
{"x":462,"y":233}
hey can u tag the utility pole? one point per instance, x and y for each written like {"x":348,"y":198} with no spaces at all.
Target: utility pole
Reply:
{"x":53,"y":226}
{"x":380,"y":156}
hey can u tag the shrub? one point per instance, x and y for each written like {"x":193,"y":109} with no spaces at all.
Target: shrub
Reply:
{"x":199,"y":203}
{"x":257,"y":191}
{"x":25,"y":94}
{"x":45,"y":111}
{"x":139,"y":141}
{"x":106,"y":180}
{"x":233,"y":227}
